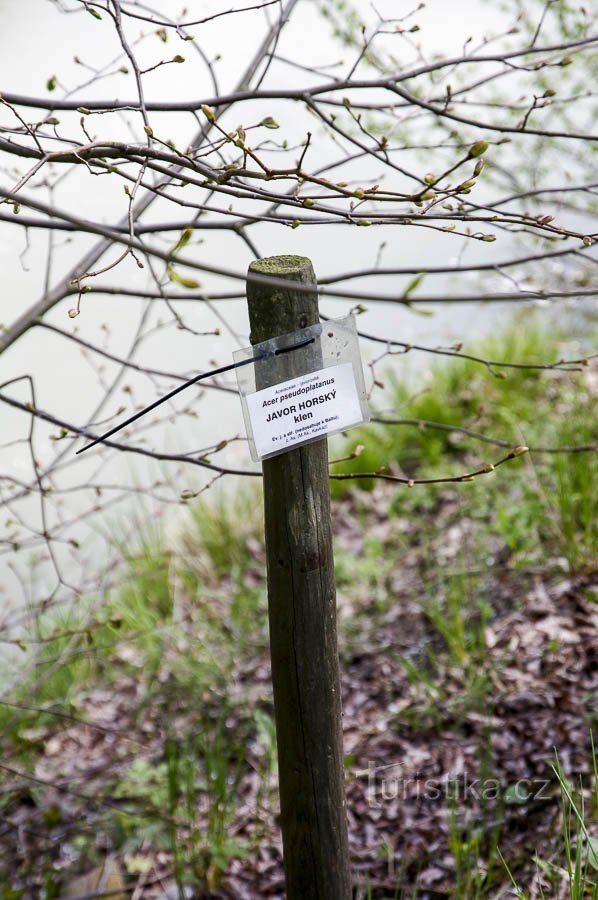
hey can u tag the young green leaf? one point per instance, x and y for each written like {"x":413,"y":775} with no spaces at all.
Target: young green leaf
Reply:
{"x":415,"y":282}
{"x":173,"y":275}
{"x":182,"y":241}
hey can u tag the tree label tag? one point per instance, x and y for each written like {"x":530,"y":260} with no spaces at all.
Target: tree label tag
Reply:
{"x":302,"y":387}
{"x":304,"y":408}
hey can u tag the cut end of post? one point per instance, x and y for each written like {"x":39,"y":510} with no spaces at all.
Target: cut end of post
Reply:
{"x":284,"y":266}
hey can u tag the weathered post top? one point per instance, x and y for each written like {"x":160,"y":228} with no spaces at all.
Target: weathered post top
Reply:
{"x":287,"y":264}
{"x":278,"y":310}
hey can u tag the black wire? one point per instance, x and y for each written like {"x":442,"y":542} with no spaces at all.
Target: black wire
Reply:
{"x":191,"y":382}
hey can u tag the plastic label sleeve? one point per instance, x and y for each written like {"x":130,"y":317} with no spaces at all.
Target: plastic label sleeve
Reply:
{"x":301,"y":387}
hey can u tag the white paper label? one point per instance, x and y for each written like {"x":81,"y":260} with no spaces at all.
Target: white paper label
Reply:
{"x":304,"y":408}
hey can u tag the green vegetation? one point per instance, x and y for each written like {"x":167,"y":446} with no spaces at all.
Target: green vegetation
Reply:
{"x":542,"y":503}
{"x":439,"y":618}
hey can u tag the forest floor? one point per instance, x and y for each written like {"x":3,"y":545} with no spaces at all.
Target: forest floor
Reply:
{"x":138,"y":757}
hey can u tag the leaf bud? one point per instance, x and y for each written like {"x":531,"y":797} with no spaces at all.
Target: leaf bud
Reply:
{"x":477,"y":149}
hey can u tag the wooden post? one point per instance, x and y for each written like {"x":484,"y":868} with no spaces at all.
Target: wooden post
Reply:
{"x":302,"y":615}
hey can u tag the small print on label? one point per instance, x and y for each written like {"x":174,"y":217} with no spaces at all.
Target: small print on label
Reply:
{"x":304,"y":409}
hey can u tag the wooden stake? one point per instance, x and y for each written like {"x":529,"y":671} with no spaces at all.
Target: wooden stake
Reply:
{"x":302,"y":615}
